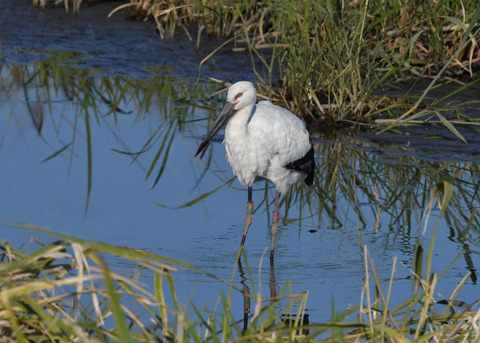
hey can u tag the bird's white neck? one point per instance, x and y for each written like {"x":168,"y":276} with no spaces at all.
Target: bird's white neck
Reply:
{"x":238,"y":125}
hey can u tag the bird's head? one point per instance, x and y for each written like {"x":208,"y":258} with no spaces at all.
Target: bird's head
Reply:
{"x":240,"y":95}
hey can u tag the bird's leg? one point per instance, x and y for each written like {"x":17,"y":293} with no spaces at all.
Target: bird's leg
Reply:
{"x":249,"y":217}
{"x":273,"y":229}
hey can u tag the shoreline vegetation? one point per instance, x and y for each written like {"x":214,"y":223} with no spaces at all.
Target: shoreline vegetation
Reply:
{"x":332,"y":61}
{"x":65,"y":291}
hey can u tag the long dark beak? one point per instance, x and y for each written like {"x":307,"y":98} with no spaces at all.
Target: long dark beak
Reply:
{"x":224,"y":116}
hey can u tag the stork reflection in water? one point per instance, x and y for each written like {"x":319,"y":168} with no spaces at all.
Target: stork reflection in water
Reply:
{"x":263,"y":142}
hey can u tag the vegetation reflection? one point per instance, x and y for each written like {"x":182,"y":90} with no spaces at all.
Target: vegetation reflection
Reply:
{"x":393,"y":194}
{"x":397,"y":190}
{"x":100,"y":98}
{"x":400,"y":192}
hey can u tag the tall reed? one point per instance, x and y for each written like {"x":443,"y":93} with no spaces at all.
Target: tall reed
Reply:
{"x":331,"y":60}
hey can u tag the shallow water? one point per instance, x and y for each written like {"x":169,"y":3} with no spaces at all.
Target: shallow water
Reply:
{"x":372,"y":190}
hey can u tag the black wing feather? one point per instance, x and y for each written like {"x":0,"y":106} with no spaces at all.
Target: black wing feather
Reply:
{"x":306,"y":165}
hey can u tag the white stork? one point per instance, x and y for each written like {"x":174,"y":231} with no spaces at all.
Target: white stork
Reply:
{"x":263,"y":142}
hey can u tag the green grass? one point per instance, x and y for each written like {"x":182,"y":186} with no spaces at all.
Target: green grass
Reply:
{"x":67,"y":290}
{"x":332,"y":59}
{"x":70,"y":288}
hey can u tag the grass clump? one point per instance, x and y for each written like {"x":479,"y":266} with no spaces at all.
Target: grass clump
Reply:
{"x":331,"y":60}
{"x":67,"y":290}
{"x":335,"y":59}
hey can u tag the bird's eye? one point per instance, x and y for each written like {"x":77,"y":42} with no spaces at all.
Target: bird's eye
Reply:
{"x":238,"y":95}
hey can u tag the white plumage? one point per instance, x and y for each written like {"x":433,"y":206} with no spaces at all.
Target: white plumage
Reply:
{"x":274,"y":137}
{"x":263,"y":141}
